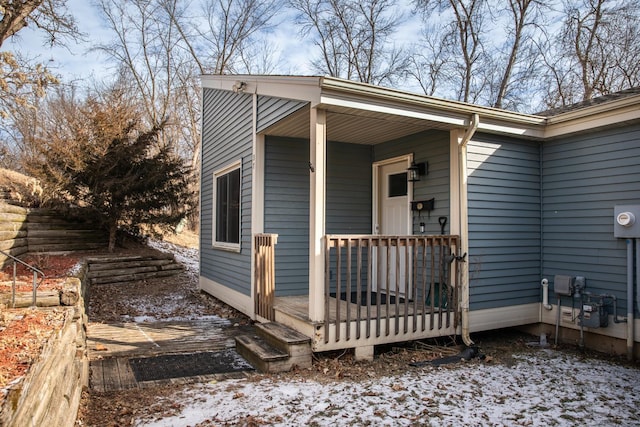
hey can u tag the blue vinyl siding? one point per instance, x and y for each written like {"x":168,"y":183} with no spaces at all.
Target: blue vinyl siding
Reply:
{"x":348,"y":188}
{"x":286,"y":211}
{"x":431,"y":147}
{"x":504,"y":222}
{"x":273,"y":109}
{"x":226,"y":138}
{"x":584,"y":177}
{"x":287,"y":202}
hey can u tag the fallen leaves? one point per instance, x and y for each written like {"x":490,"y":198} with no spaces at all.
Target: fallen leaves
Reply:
{"x":24,"y":334}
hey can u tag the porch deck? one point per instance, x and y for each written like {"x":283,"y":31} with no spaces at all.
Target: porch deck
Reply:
{"x":298,"y":307}
{"x":384,"y":325}
{"x":391,"y":288}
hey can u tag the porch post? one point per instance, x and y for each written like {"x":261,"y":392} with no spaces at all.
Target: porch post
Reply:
{"x":257,"y":196}
{"x":317,"y":167}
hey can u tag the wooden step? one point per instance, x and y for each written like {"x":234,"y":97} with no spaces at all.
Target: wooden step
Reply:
{"x":290,"y":341}
{"x":261,"y":355}
{"x":274,"y":339}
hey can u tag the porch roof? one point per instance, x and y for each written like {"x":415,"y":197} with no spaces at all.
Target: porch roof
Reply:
{"x":381,"y":114}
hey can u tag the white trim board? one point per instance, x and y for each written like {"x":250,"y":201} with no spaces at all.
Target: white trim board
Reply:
{"x":235,"y":299}
{"x":504,"y":317}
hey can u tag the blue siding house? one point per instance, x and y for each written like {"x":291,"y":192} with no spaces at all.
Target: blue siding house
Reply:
{"x":360,"y":215}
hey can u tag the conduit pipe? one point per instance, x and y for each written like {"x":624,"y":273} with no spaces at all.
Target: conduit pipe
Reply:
{"x":464,"y":225}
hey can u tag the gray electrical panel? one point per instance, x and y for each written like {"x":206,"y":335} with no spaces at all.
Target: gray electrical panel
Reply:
{"x":563,"y":285}
{"x":626,"y":221}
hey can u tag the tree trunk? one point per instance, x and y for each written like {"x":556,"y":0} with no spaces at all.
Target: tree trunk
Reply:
{"x":113,"y":230}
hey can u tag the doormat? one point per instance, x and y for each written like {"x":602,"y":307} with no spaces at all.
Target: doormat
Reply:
{"x":187,"y":365}
{"x":362,"y":298}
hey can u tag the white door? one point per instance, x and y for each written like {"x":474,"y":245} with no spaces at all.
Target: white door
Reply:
{"x":393,"y":219}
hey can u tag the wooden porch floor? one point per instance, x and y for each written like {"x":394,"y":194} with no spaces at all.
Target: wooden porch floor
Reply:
{"x":298,"y":306}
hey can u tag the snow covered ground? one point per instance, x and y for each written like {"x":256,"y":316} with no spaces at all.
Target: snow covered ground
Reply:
{"x":543,"y":387}
{"x":546,"y":388}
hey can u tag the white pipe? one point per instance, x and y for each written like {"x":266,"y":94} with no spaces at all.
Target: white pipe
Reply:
{"x":464,"y":227}
{"x":545,"y":294}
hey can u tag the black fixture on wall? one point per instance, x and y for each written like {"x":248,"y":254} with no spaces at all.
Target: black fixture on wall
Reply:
{"x":416,"y":170}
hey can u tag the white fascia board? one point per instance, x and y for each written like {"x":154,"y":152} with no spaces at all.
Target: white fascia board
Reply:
{"x":424,"y":102}
{"x":297,"y":88}
{"x":608,"y":114}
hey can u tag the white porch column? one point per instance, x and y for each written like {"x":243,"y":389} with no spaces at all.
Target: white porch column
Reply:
{"x":317,"y":208}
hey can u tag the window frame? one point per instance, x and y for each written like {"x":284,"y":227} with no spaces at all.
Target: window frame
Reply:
{"x":225,"y":171}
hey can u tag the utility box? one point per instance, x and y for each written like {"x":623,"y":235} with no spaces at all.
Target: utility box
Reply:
{"x":563,"y":285}
{"x":626,"y":221}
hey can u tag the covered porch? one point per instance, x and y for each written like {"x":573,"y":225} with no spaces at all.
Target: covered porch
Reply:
{"x":349,"y":248}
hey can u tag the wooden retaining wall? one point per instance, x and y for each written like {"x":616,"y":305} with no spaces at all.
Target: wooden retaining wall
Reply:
{"x":25,"y":230}
{"x":50,"y":392}
{"x":13,"y":230}
{"x":117,"y":268}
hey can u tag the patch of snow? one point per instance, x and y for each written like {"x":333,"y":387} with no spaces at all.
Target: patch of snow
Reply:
{"x":219,"y":321}
{"x":75,"y":270}
{"x":189,"y":257}
{"x":545,"y":388}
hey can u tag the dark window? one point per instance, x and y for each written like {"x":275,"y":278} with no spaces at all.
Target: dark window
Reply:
{"x":228,"y":207}
{"x":398,"y":184}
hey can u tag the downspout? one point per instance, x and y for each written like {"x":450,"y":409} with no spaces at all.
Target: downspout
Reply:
{"x":464,"y":226}
{"x":630,"y":311}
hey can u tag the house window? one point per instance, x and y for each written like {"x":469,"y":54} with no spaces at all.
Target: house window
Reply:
{"x":227,"y":207}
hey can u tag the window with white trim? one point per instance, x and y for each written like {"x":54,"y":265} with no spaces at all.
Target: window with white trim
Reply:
{"x":226,"y":207}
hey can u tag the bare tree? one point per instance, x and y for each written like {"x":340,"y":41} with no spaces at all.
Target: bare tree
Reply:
{"x":49,"y":16}
{"x":596,"y":52}
{"x":517,"y":66}
{"x":355,"y":38}
{"x":23,"y":81}
{"x":460,"y":38}
{"x":220,"y":36}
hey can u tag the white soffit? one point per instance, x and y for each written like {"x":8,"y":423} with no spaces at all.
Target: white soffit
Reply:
{"x":353,"y":126}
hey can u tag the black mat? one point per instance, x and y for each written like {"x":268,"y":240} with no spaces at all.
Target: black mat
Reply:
{"x":362,"y":297}
{"x":187,"y":365}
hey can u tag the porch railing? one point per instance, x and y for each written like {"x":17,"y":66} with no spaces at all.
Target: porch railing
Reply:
{"x":376,"y":279}
{"x":265,"y":274}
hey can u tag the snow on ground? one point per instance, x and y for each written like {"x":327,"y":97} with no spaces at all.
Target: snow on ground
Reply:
{"x":189,"y":257}
{"x":547,"y":388}
{"x":543,"y":388}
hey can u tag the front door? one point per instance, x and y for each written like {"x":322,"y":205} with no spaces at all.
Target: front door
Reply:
{"x":393,"y":219}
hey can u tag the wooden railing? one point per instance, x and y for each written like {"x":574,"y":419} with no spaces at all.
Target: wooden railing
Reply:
{"x":385,"y":280}
{"x":265,"y":274}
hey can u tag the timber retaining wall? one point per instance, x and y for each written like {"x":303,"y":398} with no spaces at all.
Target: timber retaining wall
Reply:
{"x":25,"y":230}
{"x":49,"y":394}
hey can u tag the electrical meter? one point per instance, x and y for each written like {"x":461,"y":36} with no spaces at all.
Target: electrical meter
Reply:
{"x":625,"y":221}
